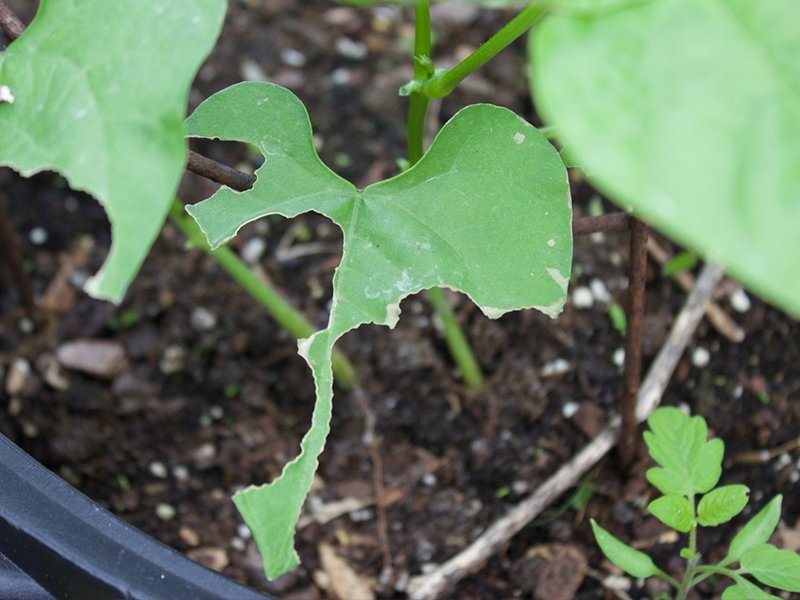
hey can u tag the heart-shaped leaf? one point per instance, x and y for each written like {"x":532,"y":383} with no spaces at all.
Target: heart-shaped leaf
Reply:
{"x":99,"y":94}
{"x":486,"y":212}
{"x":688,"y":113}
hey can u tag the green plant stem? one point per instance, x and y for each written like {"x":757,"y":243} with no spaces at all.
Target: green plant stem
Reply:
{"x":417,"y":116}
{"x":688,"y":578}
{"x":280,"y":310}
{"x":445,"y":82}
{"x":706,"y":571}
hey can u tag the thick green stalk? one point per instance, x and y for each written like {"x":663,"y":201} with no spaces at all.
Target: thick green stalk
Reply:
{"x":280,"y":310}
{"x":445,"y":82}
{"x":417,"y":116}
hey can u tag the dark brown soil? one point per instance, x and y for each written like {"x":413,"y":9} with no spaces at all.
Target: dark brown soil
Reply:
{"x":231,"y":407}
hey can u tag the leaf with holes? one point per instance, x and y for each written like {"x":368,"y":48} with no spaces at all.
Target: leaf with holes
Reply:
{"x":98,"y":93}
{"x":485,"y":212}
{"x":688,"y":113}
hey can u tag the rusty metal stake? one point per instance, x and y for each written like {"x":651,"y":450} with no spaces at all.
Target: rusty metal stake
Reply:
{"x":9,"y":22}
{"x":633,"y":339}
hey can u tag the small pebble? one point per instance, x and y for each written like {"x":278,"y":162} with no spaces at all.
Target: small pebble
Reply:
{"x":180,"y":472}
{"x":18,"y":375}
{"x":29,"y":429}
{"x":203,"y":319}
{"x":519,"y":487}
{"x":157,"y":469}
{"x":165,"y":512}
{"x":189,"y":536}
{"x":429,"y":479}
{"x":783,"y":460}
{"x":559,"y":366}
{"x":253,"y":250}
{"x":292,"y":57}
{"x":740,"y":301}
{"x":569,"y":409}
{"x":582,"y":298}
{"x":359,"y":516}
{"x":350,"y":48}
{"x":341,"y":76}
{"x":216,"y":412}
{"x":38,"y":236}
{"x":618,"y":358}
{"x":173,"y":360}
{"x":243,"y":531}
{"x":238,"y":544}
{"x":600,"y":291}
{"x":25,"y":326}
{"x":700,"y":357}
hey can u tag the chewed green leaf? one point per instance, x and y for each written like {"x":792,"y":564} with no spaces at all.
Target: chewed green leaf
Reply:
{"x":688,"y":463}
{"x":674,"y":511}
{"x":722,"y":504}
{"x":114,"y":132}
{"x":757,"y":531}
{"x":630,"y":560}
{"x":744,"y":590}
{"x":486,"y":212}
{"x":693,"y":123}
{"x":773,"y":567}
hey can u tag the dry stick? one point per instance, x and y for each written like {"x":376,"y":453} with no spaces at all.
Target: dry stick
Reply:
{"x":718,"y":318}
{"x":373,"y":442}
{"x":633,"y":339}
{"x":435,"y":584}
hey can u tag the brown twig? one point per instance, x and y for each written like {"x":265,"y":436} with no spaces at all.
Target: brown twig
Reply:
{"x":613,"y":222}
{"x":760,"y":457}
{"x":718,"y":318}
{"x":373,"y":443}
{"x":219,"y":172}
{"x":9,"y":22}
{"x":435,"y":584}
{"x":633,"y":339}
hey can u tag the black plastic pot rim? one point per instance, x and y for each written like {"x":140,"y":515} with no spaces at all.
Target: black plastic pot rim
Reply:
{"x":75,"y":549}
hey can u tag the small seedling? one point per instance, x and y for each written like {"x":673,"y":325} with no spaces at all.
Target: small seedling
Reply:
{"x":689,"y":469}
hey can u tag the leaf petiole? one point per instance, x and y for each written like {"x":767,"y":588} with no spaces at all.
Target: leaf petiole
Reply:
{"x":441,"y":84}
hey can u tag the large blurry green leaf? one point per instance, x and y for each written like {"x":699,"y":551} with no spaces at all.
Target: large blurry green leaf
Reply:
{"x":688,"y":463}
{"x":630,"y":560}
{"x":722,"y":504}
{"x":773,"y":567}
{"x":757,"y":531}
{"x":688,"y":113}
{"x":486,"y":211}
{"x":100,"y":89}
